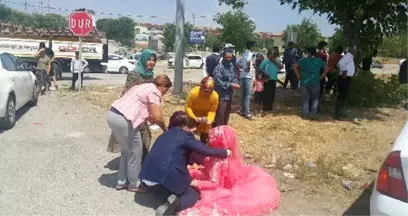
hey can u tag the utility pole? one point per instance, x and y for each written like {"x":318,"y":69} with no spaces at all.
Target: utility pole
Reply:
{"x":179,"y":57}
{"x":25,"y":6}
{"x":42,"y":7}
{"x":48,"y":6}
{"x":193,"y":19}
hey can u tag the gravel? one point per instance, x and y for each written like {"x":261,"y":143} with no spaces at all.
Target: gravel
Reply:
{"x":53,"y":162}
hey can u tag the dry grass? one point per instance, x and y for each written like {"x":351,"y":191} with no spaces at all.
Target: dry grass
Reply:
{"x":284,"y":138}
{"x":387,"y":60}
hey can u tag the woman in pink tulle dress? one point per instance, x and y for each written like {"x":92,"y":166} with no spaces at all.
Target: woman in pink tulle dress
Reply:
{"x":228,"y":186}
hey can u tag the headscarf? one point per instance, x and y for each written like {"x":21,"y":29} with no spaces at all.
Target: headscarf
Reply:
{"x":225,"y":137}
{"x":179,"y":119}
{"x":208,"y":82}
{"x":141,"y":64}
{"x":227,"y":51}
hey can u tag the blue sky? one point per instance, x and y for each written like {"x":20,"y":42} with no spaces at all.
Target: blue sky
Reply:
{"x":268,"y":15}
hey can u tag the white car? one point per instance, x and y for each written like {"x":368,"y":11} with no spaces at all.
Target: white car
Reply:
{"x":390,"y":194}
{"x":117,"y":63}
{"x":190,"y":61}
{"x":17,"y":88}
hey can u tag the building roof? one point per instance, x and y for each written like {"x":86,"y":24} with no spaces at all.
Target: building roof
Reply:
{"x":18,"y":31}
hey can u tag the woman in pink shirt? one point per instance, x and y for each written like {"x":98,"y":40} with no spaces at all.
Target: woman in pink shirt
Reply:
{"x":140,"y":103}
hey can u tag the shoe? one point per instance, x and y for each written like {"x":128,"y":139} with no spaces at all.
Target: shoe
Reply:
{"x":169,"y":207}
{"x":142,"y":188}
{"x":122,"y":187}
{"x":249,"y":117}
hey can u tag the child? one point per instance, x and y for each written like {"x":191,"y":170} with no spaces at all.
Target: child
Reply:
{"x":258,"y":88}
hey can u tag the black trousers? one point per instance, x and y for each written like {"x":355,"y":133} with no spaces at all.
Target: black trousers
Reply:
{"x":268,"y":95}
{"x":75,"y":78}
{"x":331,"y":81}
{"x":291,"y":77}
{"x":223,"y":113}
{"x":187,"y":198}
{"x":344,"y":85}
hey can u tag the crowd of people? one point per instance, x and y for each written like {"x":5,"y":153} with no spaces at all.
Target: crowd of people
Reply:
{"x":44,"y":70}
{"x":207,"y":175}
{"x":314,"y":71}
{"x":196,"y":177}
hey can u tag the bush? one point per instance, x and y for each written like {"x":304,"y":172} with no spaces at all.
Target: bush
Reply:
{"x":368,"y":91}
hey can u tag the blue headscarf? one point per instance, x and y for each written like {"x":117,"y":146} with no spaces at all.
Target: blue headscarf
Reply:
{"x":141,"y":64}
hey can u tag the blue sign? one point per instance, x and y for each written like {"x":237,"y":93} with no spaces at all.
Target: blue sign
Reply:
{"x":196,"y":37}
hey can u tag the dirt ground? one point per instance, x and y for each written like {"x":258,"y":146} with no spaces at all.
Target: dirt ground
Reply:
{"x":313,"y":161}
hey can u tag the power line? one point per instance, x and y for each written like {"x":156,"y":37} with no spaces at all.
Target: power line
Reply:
{"x":49,"y":7}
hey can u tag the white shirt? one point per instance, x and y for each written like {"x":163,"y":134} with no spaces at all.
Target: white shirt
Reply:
{"x":243,"y":61}
{"x":346,"y":63}
{"x":75,"y":65}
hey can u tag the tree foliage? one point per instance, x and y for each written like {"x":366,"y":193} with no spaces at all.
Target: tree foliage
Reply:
{"x":121,"y":29}
{"x":237,"y":28}
{"x":365,"y":23}
{"x":48,"y":21}
{"x":395,"y":46}
{"x":169,"y":35}
{"x":308,"y":34}
{"x":236,"y":4}
{"x":337,"y":39}
{"x":211,"y":40}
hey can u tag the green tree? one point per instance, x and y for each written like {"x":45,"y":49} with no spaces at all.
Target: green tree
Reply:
{"x":395,"y":46}
{"x":308,"y":33}
{"x":268,"y":43}
{"x":121,"y":29}
{"x":211,"y":40}
{"x":48,"y":21}
{"x":365,"y":23}
{"x":236,"y":4}
{"x":337,"y":39}
{"x":237,"y":28}
{"x":169,"y":35}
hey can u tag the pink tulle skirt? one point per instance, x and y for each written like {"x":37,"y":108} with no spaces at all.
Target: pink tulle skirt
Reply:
{"x":257,"y":194}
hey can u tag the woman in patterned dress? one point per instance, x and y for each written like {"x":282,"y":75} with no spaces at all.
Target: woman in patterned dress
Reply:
{"x":229,"y":187}
{"x":142,"y":74}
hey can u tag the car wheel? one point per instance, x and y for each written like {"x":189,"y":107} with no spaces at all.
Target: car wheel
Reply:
{"x":201,"y":66}
{"x":105,"y":69}
{"x":34,"y":97}
{"x":10,"y":118}
{"x":123,"y":70}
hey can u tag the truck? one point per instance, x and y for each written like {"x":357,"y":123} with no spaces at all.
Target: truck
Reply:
{"x":23,"y":42}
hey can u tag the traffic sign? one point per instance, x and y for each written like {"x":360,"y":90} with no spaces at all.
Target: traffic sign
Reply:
{"x":196,"y":37}
{"x":80,"y":23}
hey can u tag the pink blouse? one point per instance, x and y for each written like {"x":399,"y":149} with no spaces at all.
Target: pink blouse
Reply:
{"x":134,"y":105}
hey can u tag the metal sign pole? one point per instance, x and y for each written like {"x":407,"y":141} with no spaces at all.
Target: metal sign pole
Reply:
{"x":80,"y":65}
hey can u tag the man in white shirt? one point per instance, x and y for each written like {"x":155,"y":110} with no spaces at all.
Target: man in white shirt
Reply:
{"x":77,"y":66}
{"x":347,"y":70}
{"x":246,"y":75}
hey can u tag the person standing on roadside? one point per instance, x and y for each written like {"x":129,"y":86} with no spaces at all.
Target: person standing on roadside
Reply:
{"x":270,"y":67}
{"x":42,"y":67}
{"x":347,"y":70}
{"x":322,"y":54}
{"x":225,"y":80}
{"x":246,"y":80}
{"x":212,"y":61}
{"x":77,"y":67}
{"x":307,"y":71}
{"x":333,"y":70}
{"x":290,"y":57}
